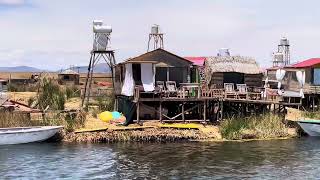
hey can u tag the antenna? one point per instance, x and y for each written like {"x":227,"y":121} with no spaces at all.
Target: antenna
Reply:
{"x":155,"y":38}
{"x":100,"y":50}
{"x":282,"y":56}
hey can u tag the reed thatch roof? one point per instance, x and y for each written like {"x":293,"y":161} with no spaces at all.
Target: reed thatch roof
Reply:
{"x":238,"y":64}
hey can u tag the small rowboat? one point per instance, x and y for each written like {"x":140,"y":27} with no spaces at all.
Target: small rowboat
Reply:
{"x":310,"y":126}
{"x":20,"y":135}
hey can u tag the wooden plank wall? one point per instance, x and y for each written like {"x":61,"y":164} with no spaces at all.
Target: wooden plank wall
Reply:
{"x":217,"y":79}
{"x":253,"y":80}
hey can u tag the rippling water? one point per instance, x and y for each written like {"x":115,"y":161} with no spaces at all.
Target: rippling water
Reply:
{"x":289,"y":159}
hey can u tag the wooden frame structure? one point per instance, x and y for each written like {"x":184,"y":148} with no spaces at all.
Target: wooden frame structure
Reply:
{"x":213,"y":105}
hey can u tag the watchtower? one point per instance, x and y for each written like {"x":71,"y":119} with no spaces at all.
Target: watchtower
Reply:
{"x":282,"y":56}
{"x":155,"y":38}
{"x":100,"y":51}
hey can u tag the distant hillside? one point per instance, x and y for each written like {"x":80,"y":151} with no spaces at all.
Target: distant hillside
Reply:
{"x":20,"y":69}
{"x":99,"y":68}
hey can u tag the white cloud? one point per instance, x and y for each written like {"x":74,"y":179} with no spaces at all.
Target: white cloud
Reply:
{"x":53,"y":34}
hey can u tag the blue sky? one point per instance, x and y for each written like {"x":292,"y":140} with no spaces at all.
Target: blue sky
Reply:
{"x":56,"y":34}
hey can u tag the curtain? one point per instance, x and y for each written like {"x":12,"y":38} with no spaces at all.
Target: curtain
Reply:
{"x":147,"y":77}
{"x":301,"y":76}
{"x":128,"y":85}
{"x":280,"y":75}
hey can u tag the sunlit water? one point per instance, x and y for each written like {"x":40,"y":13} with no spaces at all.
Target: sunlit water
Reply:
{"x":277,"y":159}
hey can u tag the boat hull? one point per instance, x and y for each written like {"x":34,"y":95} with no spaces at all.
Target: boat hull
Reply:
{"x":27,"y":134}
{"x":311,"y":128}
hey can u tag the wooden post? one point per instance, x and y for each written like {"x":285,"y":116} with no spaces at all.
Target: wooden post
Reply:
{"x":160,"y":111}
{"x":313,"y":103}
{"x":204,"y":111}
{"x":221,"y":110}
{"x":182,"y":110}
{"x":138,"y":112}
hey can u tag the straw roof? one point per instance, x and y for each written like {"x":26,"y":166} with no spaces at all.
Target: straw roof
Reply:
{"x":238,"y":64}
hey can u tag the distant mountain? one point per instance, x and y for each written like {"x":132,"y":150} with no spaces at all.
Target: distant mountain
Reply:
{"x":99,"y":68}
{"x":20,"y":69}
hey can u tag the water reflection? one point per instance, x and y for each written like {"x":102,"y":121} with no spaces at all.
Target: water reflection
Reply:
{"x":296,"y":159}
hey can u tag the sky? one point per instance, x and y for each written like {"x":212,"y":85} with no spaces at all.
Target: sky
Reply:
{"x":57,"y":34}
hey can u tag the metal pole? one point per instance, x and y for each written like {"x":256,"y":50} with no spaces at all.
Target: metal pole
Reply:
{"x":85,"y":87}
{"x":90,"y":79}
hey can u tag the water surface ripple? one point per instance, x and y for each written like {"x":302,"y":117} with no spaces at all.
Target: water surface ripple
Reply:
{"x":276,"y":159}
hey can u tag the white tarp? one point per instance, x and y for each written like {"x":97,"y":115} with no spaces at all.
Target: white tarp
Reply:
{"x":301,"y":77}
{"x":128,"y":85}
{"x":147,"y":77}
{"x":280,"y":75}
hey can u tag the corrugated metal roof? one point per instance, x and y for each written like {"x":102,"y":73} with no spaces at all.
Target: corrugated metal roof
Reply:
{"x":307,"y":63}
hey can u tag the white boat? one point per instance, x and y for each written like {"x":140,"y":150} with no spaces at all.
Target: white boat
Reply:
{"x":20,"y":135}
{"x":310,"y":126}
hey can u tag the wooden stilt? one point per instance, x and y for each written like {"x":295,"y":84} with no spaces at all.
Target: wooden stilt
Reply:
{"x":160,"y":111}
{"x":182,"y":110}
{"x":90,"y":82}
{"x":87,"y":79}
{"x":138,"y":112}
{"x":221,"y":110}
{"x":313,"y":103}
{"x":204,"y":111}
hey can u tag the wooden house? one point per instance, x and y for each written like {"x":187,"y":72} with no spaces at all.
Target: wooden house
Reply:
{"x":68,"y":77}
{"x":3,"y":85}
{"x":232,"y":69}
{"x":165,"y":65}
{"x":311,"y":67}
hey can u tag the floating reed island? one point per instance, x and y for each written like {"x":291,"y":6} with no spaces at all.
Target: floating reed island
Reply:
{"x":255,"y":127}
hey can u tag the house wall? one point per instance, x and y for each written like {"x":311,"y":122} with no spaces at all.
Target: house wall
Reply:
{"x":290,"y":81}
{"x":67,"y":79}
{"x":252,"y":80}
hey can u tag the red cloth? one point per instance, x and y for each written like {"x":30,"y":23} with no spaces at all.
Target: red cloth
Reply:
{"x":104,"y":83}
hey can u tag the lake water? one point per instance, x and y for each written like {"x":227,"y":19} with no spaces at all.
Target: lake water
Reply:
{"x":280,"y":159}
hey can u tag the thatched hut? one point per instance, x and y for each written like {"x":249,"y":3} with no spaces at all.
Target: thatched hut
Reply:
{"x":68,"y":77}
{"x":232,"y":69}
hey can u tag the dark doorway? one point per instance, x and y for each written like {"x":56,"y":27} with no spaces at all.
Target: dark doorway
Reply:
{"x":136,"y":73}
{"x":233,"y":77}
